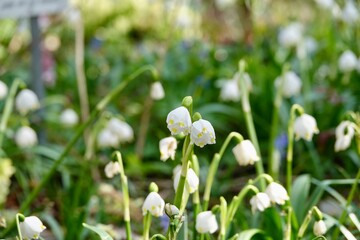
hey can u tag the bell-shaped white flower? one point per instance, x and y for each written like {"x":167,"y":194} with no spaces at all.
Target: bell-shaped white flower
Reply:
{"x":291,"y":35}
{"x":206,"y":222}
{"x":3,"y":90}
{"x":179,"y":121}
{"x":157,"y":91}
{"x":319,"y":228}
{"x":154,"y":204}
{"x":31,"y":228}
{"x":121,"y":129}
{"x":305,"y":127}
{"x":202,"y":133}
{"x":306,"y":47}
{"x":167,"y":147}
{"x":106,"y":139}
{"x":245,"y":153}
{"x":69,"y":117}
{"x":26,"y":101}
{"x":350,"y":13}
{"x":260,"y":202}
{"x":347,"y":61}
{"x":277,"y":193}
{"x":26,"y":137}
{"x":192,"y":180}
{"x":344,"y":134}
{"x":230,"y":90}
{"x":111,"y":169}
{"x":291,"y":84}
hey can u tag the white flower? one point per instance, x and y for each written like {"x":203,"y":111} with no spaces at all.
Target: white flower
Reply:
{"x":245,"y":153}
{"x":260,"y":202}
{"x":306,"y":47}
{"x":106,"y":139}
{"x":305,"y":127}
{"x":171,"y":210}
{"x":3,"y":90}
{"x":154,"y":204}
{"x":121,"y":130}
{"x":111,"y":169}
{"x":291,"y":35}
{"x":230,"y":91}
{"x":167,"y":147}
{"x":319,"y":228}
{"x":192,"y":180}
{"x":336,"y":11}
{"x":291,"y":84}
{"x":26,"y":101}
{"x":157,"y":91}
{"x":277,"y":193}
{"x":347,"y":61}
{"x":344,"y":134}
{"x":325,"y":4}
{"x":206,"y":222}
{"x":69,"y":117}
{"x":202,"y":133}
{"x":31,"y":228}
{"x":179,"y":121}
{"x":25,"y":137}
{"x":350,"y":13}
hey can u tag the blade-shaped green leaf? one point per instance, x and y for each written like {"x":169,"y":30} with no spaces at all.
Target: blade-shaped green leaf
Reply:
{"x":103,"y":235}
{"x":299,"y":195}
{"x":250,"y":233}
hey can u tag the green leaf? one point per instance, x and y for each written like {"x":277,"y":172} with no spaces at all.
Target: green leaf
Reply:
{"x":299,"y":195}
{"x":250,"y":233}
{"x":103,"y":235}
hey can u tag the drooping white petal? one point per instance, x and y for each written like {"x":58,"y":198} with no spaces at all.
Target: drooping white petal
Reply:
{"x":305,"y":127}
{"x":154,"y":204}
{"x":202,"y":133}
{"x":260,"y":202}
{"x":26,"y":101}
{"x":121,"y":129}
{"x":157,"y":91}
{"x":179,"y":121}
{"x":344,"y":134}
{"x":26,"y":137}
{"x":245,"y":153}
{"x":319,"y":228}
{"x":291,"y":84}
{"x":111,"y":169}
{"x":31,"y":228}
{"x":206,"y":222}
{"x":167,"y":147}
{"x":106,"y":139}
{"x":277,"y":193}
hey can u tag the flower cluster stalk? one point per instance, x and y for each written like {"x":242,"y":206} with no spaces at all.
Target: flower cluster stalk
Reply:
{"x":146,"y":226}
{"x":313,"y":212}
{"x":18,"y":216}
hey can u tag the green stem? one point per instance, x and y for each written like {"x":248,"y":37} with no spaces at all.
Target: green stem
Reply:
{"x":314,"y":211}
{"x":196,"y":196}
{"x":98,"y":109}
{"x":146,"y":225}
{"x":18,"y":215}
{"x":223,"y":215}
{"x":288,"y":224}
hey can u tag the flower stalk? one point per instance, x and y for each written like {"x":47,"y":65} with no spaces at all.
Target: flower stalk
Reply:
{"x":313,"y":212}
{"x":19,"y":218}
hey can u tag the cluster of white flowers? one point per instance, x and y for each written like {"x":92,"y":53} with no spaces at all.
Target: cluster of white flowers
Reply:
{"x":305,"y":127}
{"x":26,"y":101}
{"x":344,"y":134}
{"x":69,"y":117}
{"x":26,"y":137}
{"x":230,"y":90}
{"x":31,"y":228}
{"x":290,"y":84}
{"x":115,"y":133}
{"x":349,"y":14}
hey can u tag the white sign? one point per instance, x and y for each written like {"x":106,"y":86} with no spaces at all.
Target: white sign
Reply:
{"x":29,"y":8}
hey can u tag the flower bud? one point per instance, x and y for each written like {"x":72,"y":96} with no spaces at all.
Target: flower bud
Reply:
{"x":31,"y":228}
{"x":319,"y":228}
{"x":171,"y":210}
{"x":26,"y":101}
{"x":25,"y":137}
{"x":157,"y":91}
{"x":69,"y":117}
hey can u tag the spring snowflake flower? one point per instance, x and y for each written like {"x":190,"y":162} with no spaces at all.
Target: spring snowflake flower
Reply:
{"x":245,"y":153}
{"x":202,"y":133}
{"x":206,"y":222}
{"x":154,"y":204}
{"x":106,"y":139}
{"x":291,"y":84}
{"x":26,"y":137}
{"x":121,"y":130}
{"x":305,"y":127}
{"x":167,"y":147}
{"x":230,"y":90}
{"x":291,"y":35}
{"x":3,"y":90}
{"x":179,"y":121}
{"x":69,"y":117}
{"x":260,"y":202}
{"x":277,"y":193}
{"x":171,"y":210}
{"x":344,"y":134}
{"x":350,"y":13}
{"x":26,"y":101}
{"x":347,"y":61}
{"x":192,"y":180}
{"x":157,"y":91}
{"x":31,"y":228}
{"x":319,"y":228}
{"x":111,"y":169}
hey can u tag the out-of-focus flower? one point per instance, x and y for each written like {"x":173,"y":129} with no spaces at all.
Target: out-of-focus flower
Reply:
{"x":206,"y":222}
{"x":31,"y":228}
{"x":111,"y":169}
{"x":347,"y":61}
{"x":6,"y":171}
{"x":106,"y":139}
{"x":260,"y":202}
{"x":230,"y":90}
{"x":291,"y":35}
{"x":167,"y":147}
{"x":325,"y":4}
{"x":277,"y":193}
{"x":291,"y":84}
{"x":344,"y":134}
{"x":305,"y":127}
{"x":154,"y":204}
{"x":3,"y":90}
{"x":192,"y":180}
{"x":179,"y":121}
{"x":157,"y":91}
{"x":121,"y":129}
{"x":202,"y":133}
{"x":245,"y":153}
{"x":69,"y":117}
{"x":306,"y":47}
{"x":319,"y":228}
{"x":350,"y":13}
{"x":26,"y":101}
{"x":25,"y":137}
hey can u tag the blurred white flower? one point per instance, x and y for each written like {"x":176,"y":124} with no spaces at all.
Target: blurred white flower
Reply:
{"x":325,"y":4}
{"x":69,"y":117}
{"x":31,"y":228}
{"x":6,"y":171}
{"x":291,"y":84}
{"x":245,"y":153}
{"x":277,"y":193}
{"x":167,"y":147}
{"x":192,"y":180}
{"x":73,"y":15}
{"x":347,"y":61}
{"x":291,"y":35}
{"x":179,"y":121}
{"x":154,"y":204}
{"x":26,"y":101}
{"x":3,"y":90}
{"x":305,"y":127}
{"x":206,"y":222}
{"x":157,"y":91}
{"x":306,"y":47}
{"x":260,"y":202}
{"x":336,"y":11}
{"x":106,"y":139}
{"x":121,"y":130}
{"x":111,"y":169}
{"x":344,"y":133}
{"x":202,"y":133}
{"x":25,"y":137}
{"x":319,"y":228}
{"x":350,"y":13}
{"x":230,"y":90}
{"x":358,"y":66}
